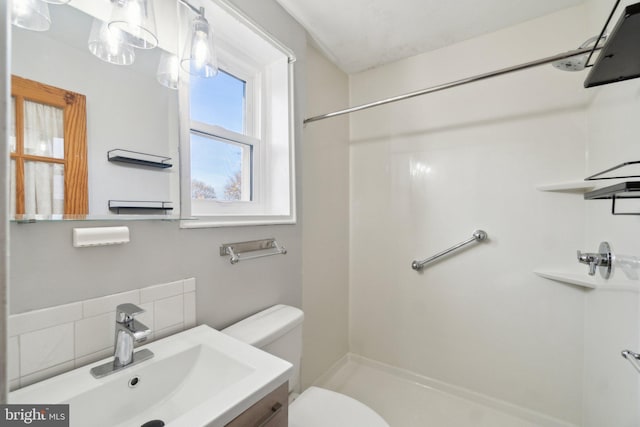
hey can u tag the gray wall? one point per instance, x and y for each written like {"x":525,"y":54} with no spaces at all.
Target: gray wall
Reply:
{"x":325,"y":267}
{"x":46,"y":270}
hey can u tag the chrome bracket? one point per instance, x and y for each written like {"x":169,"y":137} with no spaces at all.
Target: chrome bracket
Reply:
{"x":633,"y":358}
{"x":235,"y":250}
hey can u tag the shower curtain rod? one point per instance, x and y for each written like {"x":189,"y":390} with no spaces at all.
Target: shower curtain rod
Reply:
{"x":461,"y":82}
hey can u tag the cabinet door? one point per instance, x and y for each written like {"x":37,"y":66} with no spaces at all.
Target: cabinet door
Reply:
{"x":271,"y":411}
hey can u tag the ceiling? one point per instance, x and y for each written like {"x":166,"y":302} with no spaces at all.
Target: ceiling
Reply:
{"x":361,"y":34}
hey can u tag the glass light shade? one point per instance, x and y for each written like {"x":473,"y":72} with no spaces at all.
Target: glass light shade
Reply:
{"x":137,"y":20}
{"x":168,"y":70}
{"x":30,"y":15}
{"x":199,"y":57}
{"x":109,"y":44}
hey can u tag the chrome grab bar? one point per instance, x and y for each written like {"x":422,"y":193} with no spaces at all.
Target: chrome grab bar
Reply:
{"x":633,"y":358}
{"x":478,"y":236}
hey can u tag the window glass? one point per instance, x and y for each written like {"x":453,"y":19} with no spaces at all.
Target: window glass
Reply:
{"x":238,"y":150}
{"x":219,"y":169}
{"x":219,"y":101}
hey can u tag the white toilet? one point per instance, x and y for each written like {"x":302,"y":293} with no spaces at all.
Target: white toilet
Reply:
{"x":278,"y":330}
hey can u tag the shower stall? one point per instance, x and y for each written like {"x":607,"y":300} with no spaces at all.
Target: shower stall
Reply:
{"x":514,"y":323}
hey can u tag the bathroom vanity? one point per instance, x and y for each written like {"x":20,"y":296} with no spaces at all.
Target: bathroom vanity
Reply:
{"x":270,"y":411}
{"x":199,"y":377}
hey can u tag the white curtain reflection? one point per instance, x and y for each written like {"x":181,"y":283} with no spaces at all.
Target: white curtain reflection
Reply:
{"x":43,"y":130}
{"x":44,"y":182}
{"x":12,"y":126}
{"x":12,"y":201}
{"x":43,"y":188}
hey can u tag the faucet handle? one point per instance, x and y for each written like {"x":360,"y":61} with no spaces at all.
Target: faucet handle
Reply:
{"x":592,"y":260}
{"x":126,"y":312}
{"x":583,"y":257}
{"x":603,"y":259}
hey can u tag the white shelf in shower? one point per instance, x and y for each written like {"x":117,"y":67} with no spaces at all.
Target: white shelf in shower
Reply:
{"x":589,"y":282}
{"x":583,"y":280}
{"x":569,"y":186}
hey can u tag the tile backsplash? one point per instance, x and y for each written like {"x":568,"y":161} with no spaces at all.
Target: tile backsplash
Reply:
{"x":44,"y":343}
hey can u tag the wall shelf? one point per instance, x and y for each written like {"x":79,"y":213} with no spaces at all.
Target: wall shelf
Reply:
{"x":618,"y":59}
{"x":623,"y":190}
{"x":129,"y":205}
{"x":569,"y":186}
{"x":583,"y":280}
{"x":588,"y":282}
{"x":140,"y":159}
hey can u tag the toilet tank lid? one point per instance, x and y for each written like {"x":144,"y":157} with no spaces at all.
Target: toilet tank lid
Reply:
{"x":266,"y":326}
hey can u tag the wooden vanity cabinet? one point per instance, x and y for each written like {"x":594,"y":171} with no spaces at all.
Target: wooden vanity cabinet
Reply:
{"x":271,"y":411}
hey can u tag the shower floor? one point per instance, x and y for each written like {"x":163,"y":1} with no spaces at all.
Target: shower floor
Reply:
{"x":408,"y":400}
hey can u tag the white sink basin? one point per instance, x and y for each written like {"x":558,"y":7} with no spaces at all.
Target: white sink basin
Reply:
{"x":199,"y":377}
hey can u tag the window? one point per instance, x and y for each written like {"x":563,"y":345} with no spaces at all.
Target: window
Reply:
{"x":48,"y":150}
{"x":237,"y":151}
{"x":222,"y":145}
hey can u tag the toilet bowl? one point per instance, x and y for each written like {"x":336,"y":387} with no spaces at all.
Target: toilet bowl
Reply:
{"x":278,"y":330}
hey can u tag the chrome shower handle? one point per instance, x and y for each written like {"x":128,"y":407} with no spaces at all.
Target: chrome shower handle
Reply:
{"x":603,"y":259}
{"x":592,"y":260}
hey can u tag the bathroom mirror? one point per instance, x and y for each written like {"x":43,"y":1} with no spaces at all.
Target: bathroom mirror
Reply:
{"x":127,"y":109}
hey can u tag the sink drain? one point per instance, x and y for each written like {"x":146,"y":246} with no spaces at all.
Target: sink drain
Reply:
{"x":153,"y":423}
{"x":133,"y":382}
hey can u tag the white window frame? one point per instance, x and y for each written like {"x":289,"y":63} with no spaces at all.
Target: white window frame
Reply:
{"x":268,"y":204}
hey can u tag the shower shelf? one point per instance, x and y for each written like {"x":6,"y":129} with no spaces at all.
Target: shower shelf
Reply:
{"x":619,"y":191}
{"x":618,"y":59}
{"x":572,"y":278}
{"x":586,"y":281}
{"x":569,"y":186}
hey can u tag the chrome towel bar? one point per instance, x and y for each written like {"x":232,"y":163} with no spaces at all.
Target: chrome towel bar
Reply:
{"x":235,"y":250}
{"x":633,"y":358}
{"x":478,"y":236}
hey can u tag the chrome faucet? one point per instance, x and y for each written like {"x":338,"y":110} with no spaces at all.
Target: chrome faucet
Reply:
{"x":128,"y":332}
{"x":592,"y":260}
{"x":603,"y":259}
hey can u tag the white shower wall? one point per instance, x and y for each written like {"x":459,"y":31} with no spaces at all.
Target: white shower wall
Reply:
{"x":612,"y":318}
{"x":425,"y":173}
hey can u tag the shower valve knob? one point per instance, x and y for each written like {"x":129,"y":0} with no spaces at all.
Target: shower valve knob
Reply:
{"x":604,"y":260}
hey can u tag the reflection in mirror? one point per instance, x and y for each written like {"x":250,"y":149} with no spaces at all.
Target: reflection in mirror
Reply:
{"x":126,"y":108}
{"x":48,"y":150}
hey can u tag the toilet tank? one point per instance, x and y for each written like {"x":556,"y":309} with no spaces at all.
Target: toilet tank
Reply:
{"x":276,"y":330}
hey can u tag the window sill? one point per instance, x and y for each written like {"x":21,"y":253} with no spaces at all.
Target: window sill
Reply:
{"x":216,"y":222}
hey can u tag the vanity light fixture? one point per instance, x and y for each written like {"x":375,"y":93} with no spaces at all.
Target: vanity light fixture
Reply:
{"x":109,"y":44}
{"x":137,"y":21}
{"x":30,"y":14}
{"x":199,"y":57}
{"x":168,"y":70}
